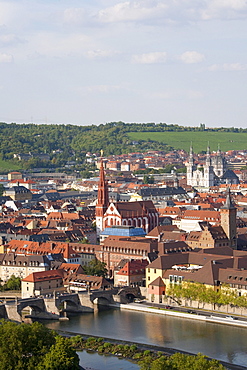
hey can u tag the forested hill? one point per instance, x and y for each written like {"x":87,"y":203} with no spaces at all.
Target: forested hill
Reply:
{"x":70,"y":139}
{"x":69,"y":142}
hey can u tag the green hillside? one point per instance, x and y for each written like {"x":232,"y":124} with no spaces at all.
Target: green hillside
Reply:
{"x":199,"y":139}
{"x":6,"y":166}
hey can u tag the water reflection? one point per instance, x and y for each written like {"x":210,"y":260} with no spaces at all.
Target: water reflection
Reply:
{"x":223,"y":342}
{"x":93,"y":361}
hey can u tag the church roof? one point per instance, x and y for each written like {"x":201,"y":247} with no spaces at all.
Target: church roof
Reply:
{"x":128,"y":209}
{"x":229,"y":174}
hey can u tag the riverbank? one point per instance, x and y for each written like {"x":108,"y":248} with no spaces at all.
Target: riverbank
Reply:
{"x":230,"y":320}
{"x":168,"y":333}
{"x":146,"y":347}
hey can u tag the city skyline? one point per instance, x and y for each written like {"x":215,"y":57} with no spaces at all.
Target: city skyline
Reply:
{"x":94,"y":62}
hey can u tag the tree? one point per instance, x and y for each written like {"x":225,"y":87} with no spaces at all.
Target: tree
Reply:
{"x":199,"y":362}
{"x":22,"y":346}
{"x":14,"y":283}
{"x":61,"y":356}
{"x":2,"y":188}
{"x":96,"y":268}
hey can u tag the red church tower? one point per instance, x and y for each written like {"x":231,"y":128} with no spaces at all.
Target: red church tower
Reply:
{"x":103,"y":199}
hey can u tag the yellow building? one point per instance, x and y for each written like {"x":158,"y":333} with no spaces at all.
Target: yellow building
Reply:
{"x":214,"y":268}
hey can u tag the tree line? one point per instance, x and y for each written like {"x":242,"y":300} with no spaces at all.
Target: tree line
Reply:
{"x":65,"y":143}
{"x":203,"y":294}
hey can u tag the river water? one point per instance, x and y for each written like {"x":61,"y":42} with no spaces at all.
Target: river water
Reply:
{"x":223,"y":342}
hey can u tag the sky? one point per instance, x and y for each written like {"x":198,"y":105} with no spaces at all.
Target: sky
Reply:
{"x":89,"y":62}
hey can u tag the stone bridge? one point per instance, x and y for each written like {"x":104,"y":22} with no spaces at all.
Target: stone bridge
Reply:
{"x":53,"y":307}
{"x":116,"y":295}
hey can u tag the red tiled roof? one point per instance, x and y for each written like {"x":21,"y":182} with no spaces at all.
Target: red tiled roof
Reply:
{"x":44,"y":275}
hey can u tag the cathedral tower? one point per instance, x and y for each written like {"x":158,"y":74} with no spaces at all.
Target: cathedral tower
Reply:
{"x":190,"y":168}
{"x":228,"y":220}
{"x":208,"y":171}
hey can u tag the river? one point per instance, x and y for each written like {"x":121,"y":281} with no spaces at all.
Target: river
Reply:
{"x":223,"y":342}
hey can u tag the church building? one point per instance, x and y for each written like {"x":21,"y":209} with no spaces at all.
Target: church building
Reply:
{"x":213,"y":172}
{"x":137,"y":214}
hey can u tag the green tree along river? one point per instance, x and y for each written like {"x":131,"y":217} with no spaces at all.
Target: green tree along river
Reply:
{"x":222,"y":342}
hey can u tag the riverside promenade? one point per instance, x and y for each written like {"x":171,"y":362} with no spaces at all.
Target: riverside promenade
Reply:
{"x":195,"y":314}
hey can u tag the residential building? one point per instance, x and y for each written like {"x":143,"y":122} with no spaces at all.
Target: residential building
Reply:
{"x":130,"y":273}
{"x":42,"y":283}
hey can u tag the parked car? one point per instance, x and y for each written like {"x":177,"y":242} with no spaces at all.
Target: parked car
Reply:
{"x":138,"y":300}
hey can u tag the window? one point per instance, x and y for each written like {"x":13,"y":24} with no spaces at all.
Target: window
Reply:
{"x":155,"y":271}
{"x":171,"y":278}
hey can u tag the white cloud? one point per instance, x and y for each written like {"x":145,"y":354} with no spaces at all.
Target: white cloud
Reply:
{"x":150,"y":58}
{"x":6,"y":58}
{"x":224,"y":9}
{"x":191,"y":57}
{"x":173,"y":12}
{"x":228,"y":67}
{"x":132,"y":11}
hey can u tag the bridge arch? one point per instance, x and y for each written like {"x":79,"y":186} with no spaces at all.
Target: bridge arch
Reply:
{"x":68,"y":304}
{"x":30,"y":309}
{"x":102,"y":301}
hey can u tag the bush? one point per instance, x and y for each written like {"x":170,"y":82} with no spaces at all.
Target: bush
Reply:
{"x":137,"y":356}
{"x":133,"y":347}
{"x":101,"y":349}
{"x":107,"y":345}
{"x":76,"y":341}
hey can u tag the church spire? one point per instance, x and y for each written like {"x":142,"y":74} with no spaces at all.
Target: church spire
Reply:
{"x":208,"y":159}
{"x":191,"y":159}
{"x":228,"y":203}
{"x":102,"y":201}
{"x":228,"y":213}
{"x":103,"y":196}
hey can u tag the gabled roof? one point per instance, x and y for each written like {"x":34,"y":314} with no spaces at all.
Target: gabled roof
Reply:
{"x":44,"y":276}
{"x":139,"y":208}
{"x":157,"y":282}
